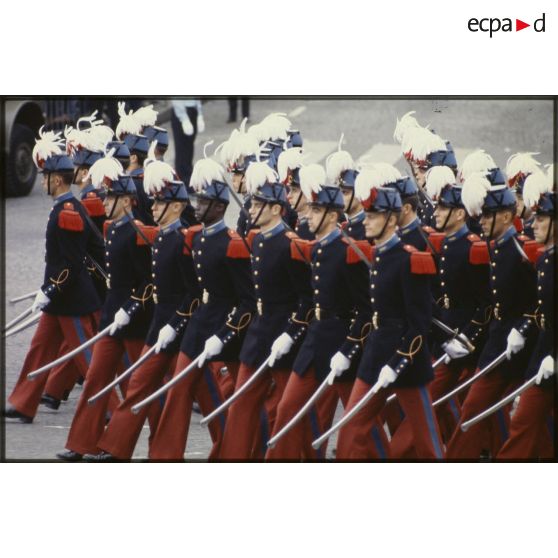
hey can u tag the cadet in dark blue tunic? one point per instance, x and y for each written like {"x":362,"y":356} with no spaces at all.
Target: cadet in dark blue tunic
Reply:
{"x":67,"y":298}
{"x":127,"y":307}
{"x":341,"y":314}
{"x":531,"y":418}
{"x":281,"y":275}
{"x":175,"y":294}
{"x":513,"y":296}
{"x":217,"y":327}
{"x":396,"y":351}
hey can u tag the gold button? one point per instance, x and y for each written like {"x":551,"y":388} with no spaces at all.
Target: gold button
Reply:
{"x":494,"y":278}
{"x":495,"y":251}
{"x":256,"y":272}
{"x":493,"y":264}
{"x":316,"y":277}
{"x":319,"y":250}
{"x":108,"y":264}
{"x":494,"y":291}
{"x":373,"y":286}
{"x":377,"y":259}
{"x":257,"y":258}
{"x":374,"y":272}
{"x":443,"y":284}
{"x":317,"y":264}
{"x":441,"y":271}
{"x":372,"y":300}
{"x":542,"y":273}
{"x":153,"y":275}
{"x":260,"y":244}
{"x":316,"y":291}
{"x":540,"y":301}
{"x":199,"y":278}
{"x":199,"y":265}
{"x":199,"y":252}
{"x":156,"y":250}
{"x":203,"y":239}
{"x":106,"y":253}
{"x":110,"y":241}
{"x":443,"y":259}
{"x":257,"y":286}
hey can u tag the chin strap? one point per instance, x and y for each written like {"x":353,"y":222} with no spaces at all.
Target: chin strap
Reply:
{"x":384,"y":227}
{"x":206,"y":211}
{"x":116,"y":198}
{"x":443,"y":227}
{"x":164,"y":211}
{"x":297,"y":200}
{"x":351,"y":202}
{"x":254,"y":222}
{"x":322,"y":220}
{"x":550,"y":227}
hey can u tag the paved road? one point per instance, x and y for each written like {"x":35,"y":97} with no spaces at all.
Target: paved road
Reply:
{"x":500,"y":127}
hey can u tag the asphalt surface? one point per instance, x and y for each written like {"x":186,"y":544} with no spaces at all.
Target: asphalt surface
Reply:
{"x":500,"y":127}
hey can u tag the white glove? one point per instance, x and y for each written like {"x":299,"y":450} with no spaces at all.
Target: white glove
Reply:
{"x":201,"y":124}
{"x":338,"y":364}
{"x":213,"y":346}
{"x":281,"y":346}
{"x":166,"y":336}
{"x":387,"y":376}
{"x":187,"y":127}
{"x":41,"y":300}
{"x":546,"y":369}
{"x":121,"y":319}
{"x":516,"y":342}
{"x":454,"y":349}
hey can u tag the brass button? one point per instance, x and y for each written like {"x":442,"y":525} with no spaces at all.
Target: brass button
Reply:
{"x":316,"y":291}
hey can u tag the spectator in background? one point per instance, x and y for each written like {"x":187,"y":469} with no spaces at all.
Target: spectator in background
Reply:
{"x":233,"y":105}
{"x":186,"y":121}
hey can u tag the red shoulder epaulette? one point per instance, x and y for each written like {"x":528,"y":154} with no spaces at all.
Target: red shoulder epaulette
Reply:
{"x":428,"y":230}
{"x":518,"y":223}
{"x":69,"y":219}
{"x":251,"y":235}
{"x":237,"y":246}
{"x":540,"y":251}
{"x":301,"y":249}
{"x":149,"y":232}
{"x":189,"y":234}
{"x":365,"y":248}
{"x":530,"y":247}
{"x":436,"y":239}
{"x":422,"y":263}
{"x":94,"y":206}
{"x":472,"y":237}
{"x":106,"y":225}
{"x":478,"y":254}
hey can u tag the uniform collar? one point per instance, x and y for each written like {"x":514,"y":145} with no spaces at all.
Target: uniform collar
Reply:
{"x":87,"y":189}
{"x":388,"y":244}
{"x":63,"y":197}
{"x":171,"y":227}
{"x":329,"y":237}
{"x":137,"y":172}
{"x":457,"y":234}
{"x":506,"y":236}
{"x":214,"y":229}
{"x":275,"y":230}
{"x":123,"y":220}
{"x":410,"y":227}
{"x":358,"y":218}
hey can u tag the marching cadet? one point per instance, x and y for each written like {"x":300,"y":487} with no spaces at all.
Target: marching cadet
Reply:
{"x":283,"y":299}
{"x":537,"y":403}
{"x":341,"y":312}
{"x":67,"y":298}
{"x":288,"y":166}
{"x":127,"y":308}
{"x":518,"y":168}
{"x":175,"y":298}
{"x":216,"y":328}
{"x":395,"y":354}
{"x":463,"y":303}
{"x":512,"y":291}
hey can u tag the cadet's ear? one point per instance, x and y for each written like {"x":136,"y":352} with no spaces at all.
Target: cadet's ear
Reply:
{"x":134,"y":158}
{"x":461,"y":214}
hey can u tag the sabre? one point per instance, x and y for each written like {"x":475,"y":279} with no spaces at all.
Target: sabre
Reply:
{"x":23,"y":297}
{"x":357,"y":250}
{"x":455,"y":334}
{"x":467,"y":383}
{"x":23,"y":325}
{"x":18,"y":319}
{"x":163,"y":389}
{"x":346,"y":418}
{"x":237,"y":393}
{"x":315,"y":396}
{"x":122,"y":376}
{"x":497,"y":406}
{"x":68,"y":356}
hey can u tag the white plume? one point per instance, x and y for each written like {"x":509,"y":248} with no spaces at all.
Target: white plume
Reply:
{"x":107,"y":168}
{"x":146,"y":116}
{"x":205,"y":172}
{"x":337,"y":162}
{"x":473,"y":194}
{"x":374,"y":176}
{"x":311,"y":179}
{"x":437,"y":178}
{"x":100,"y":135}
{"x":523,"y":163}
{"x":418,"y":143}
{"x":156,"y":175}
{"x":290,"y":159}
{"x":276,"y":126}
{"x":75,"y":139}
{"x":258,"y":174}
{"x":91,"y":119}
{"x":48,"y":144}
{"x":407,"y":122}
{"x":128,"y":123}
{"x":151,"y":155}
{"x":535,"y":185}
{"x":477,"y":161}
{"x":239,"y":145}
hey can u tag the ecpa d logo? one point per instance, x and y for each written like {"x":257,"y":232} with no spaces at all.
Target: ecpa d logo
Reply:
{"x":494,"y":24}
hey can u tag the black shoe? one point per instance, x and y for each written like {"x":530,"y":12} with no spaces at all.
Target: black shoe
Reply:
{"x":69,"y":455}
{"x":50,"y":402}
{"x":65,"y":395}
{"x":103,"y":457}
{"x":80,"y":381}
{"x":11,"y":413}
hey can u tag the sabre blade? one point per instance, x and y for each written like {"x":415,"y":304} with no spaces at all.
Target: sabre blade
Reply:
{"x":18,"y":319}
{"x":122,"y":376}
{"x":23,"y":325}
{"x":23,"y":297}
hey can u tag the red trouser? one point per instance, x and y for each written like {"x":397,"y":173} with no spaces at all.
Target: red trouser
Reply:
{"x":483,"y":393}
{"x":529,"y":424}
{"x":123,"y":430}
{"x":63,"y":378}
{"x":52,"y":331}
{"x":89,"y":420}
{"x":353,"y":442}
{"x":297,"y":443}
{"x":243,"y":437}
{"x":169,"y":441}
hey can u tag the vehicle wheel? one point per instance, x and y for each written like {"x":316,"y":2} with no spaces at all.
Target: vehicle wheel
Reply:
{"x":21,"y":171}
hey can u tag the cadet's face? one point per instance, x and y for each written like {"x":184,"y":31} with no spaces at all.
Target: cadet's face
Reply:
{"x":420,"y":175}
{"x":501,"y":223}
{"x":373,"y":223}
{"x":441,"y":214}
{"x":293,"y":195}
{"x":260,"y":215}
{"x":108,"y":203}
{"x":238,"y":182}
{"x":158,"y":207}
{"x":540,"y":228}
{"x":315,"y":215}
{"x":347,"y":196}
